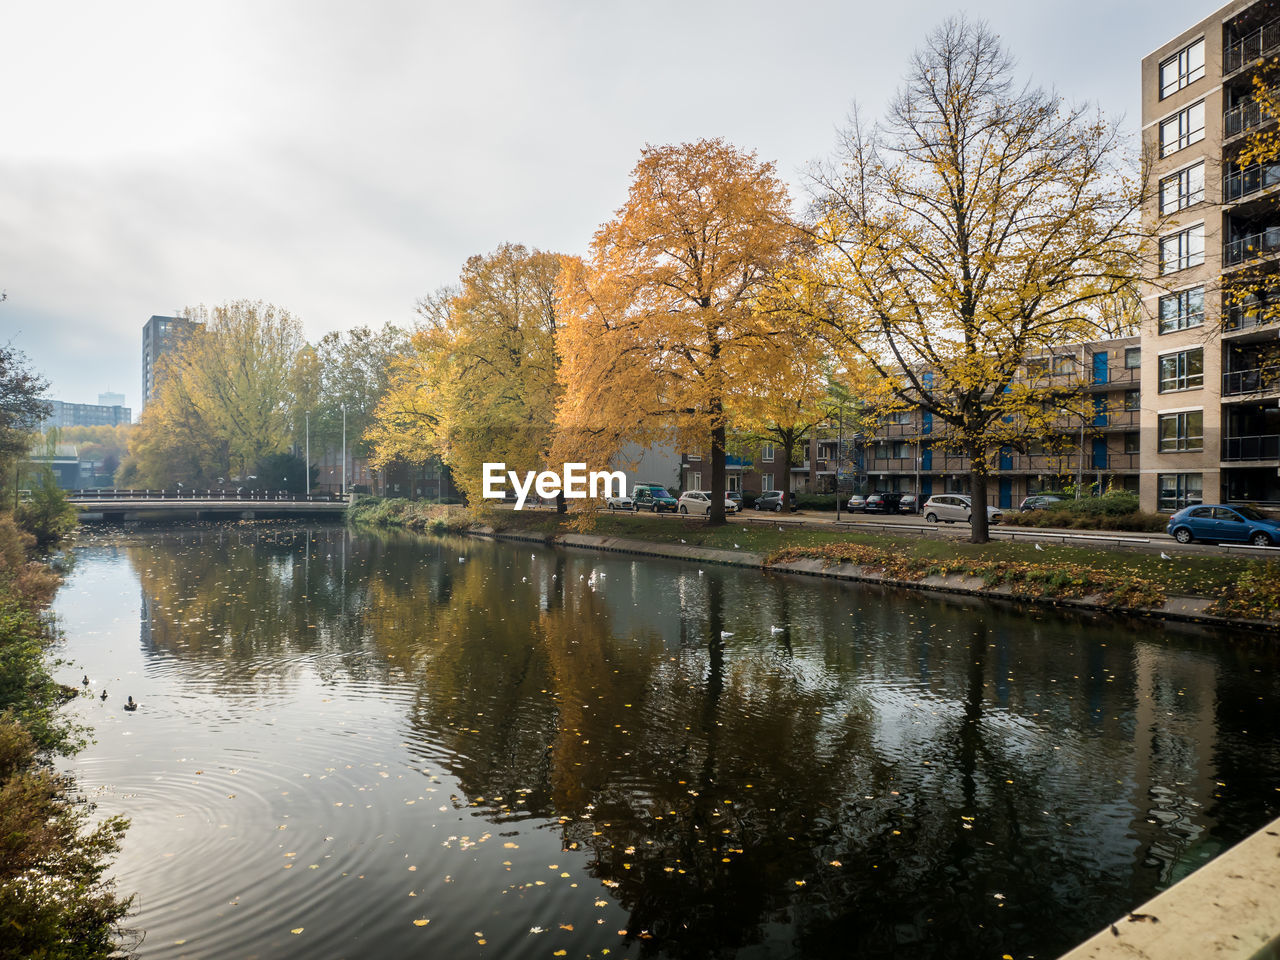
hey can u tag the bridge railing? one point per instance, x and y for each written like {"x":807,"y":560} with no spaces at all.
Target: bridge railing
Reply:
{"x":189,"y":493}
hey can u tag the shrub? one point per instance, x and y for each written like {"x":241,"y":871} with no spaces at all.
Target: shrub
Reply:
{"x":815,"y":501}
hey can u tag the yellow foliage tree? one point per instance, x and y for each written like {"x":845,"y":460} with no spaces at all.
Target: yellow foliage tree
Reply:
{"x":980,"y":225}
{"x":659,"y":318}
{"x":231,"y":393}
{"x":478,"y":383}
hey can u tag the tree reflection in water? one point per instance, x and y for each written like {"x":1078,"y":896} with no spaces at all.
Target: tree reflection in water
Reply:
{"x":888,"y":775}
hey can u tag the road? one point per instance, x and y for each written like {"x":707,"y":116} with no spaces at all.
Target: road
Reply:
{"x":914,"y":525}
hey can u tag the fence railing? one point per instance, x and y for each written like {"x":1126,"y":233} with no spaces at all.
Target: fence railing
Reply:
{"x":191,"y":493}
{"x":1262,"y":447}
{"x":1255,"y":380}
{"x":1251,"y":245}
{"x":1242,"y":117}
{"x":1249,"y":180}
{"x":1252,"y":46}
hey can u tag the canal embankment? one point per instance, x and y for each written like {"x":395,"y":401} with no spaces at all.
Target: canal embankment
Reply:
{"x":1238,"y":592}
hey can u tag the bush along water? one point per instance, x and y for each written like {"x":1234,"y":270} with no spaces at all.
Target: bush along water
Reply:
{"x":56,"y":900}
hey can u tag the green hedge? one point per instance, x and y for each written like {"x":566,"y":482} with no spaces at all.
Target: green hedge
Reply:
{"x":1116,"y":510}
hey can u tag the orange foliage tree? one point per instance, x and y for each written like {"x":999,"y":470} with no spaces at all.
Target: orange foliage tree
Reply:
{"x":661,"y":314}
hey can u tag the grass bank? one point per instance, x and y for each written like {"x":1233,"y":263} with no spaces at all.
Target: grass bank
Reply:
{"x":1239,"y":588}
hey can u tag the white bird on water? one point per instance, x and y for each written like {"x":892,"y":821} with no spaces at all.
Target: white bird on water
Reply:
{"x":725,"y":634}
{"x":777,"y":629}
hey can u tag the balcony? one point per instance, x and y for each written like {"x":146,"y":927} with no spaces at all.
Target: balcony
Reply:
{"x":1251,"y":380}
{"x":1113,"y":376}
{"x":1243,"y":117}
{"x":1251,"y":246}
{"x":1252,"y":46}
{"x":1238,"y":319}
{"x":1247,"y":181}
{"x":1264,"y":447}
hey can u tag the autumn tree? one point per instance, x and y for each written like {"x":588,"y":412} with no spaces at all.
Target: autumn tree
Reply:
{"x":354,"y":372}
{"x":233,"y":392}
{"x":788,"y":392}
{"x":981,"y":224}
{"x":660,"y":314}
{"x":479,"y":381}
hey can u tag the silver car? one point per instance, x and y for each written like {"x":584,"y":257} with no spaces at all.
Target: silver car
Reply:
{"x":953,"y":507}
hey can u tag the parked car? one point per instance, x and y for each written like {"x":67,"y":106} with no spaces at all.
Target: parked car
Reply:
{"x":698,"y":503}
{"x":735,"y":496}
{"x":1038,"y":502}
{"x":909,"y":503}
{"x":857,"y":504}
{"x":619,"y":503}
{"x":1215,"y":521}
{"x":771,"y":500}
{"x":953,"y":507}
{"x":653,"y":499}
{"x":883,"y":503}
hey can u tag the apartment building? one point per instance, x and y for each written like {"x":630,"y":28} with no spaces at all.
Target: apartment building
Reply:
{"x":159,"y":334}
{"x":63,"y":414}
{"x":908,"y":451}
{"x":1210,"y":419}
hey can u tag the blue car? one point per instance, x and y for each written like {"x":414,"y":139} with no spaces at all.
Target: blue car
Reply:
{"x":1213,"y":521}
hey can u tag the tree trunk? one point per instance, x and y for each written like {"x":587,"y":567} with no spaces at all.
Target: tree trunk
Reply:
{"x":788,"y":449}
{"x":980,"y":532}
{"x":561,"y":505}
{"x":716,"y":515}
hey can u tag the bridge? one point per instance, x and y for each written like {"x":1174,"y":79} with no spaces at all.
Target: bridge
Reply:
{"x":210,"y":504}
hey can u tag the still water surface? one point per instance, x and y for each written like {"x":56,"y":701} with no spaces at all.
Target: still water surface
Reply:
{"x":354,"y":746}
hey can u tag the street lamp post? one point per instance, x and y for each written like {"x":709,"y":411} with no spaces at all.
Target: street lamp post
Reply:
{"x":306,"y":468}
{"x":344,"y":451}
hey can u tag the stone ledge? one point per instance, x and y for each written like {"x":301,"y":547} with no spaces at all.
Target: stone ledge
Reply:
{"x":1229,"y":909}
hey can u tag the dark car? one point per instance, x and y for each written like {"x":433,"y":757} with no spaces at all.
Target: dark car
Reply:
{"x":1216,"y":521}
{"x":770,"y":500}
{"x":883,"y":503}
{"x":909,"y":503}
{"x":653,"y":499}
{"x":1040,"y":501}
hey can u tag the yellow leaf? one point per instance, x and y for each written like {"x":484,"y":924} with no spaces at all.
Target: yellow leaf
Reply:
{"x":421,"y":923}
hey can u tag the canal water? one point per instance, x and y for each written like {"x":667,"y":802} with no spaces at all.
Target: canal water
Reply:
{"x":361,"y":746}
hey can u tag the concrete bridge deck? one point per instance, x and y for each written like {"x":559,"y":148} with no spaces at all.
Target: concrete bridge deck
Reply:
{"x":109,"y":504}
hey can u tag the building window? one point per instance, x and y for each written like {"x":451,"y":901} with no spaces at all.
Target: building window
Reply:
{"x":766,"y":482}
{"x":898,"y":450}
{"x":1182,"y":310}
{"x":1132,"y":443}
{"x":1063,"y":365}
{"x":766,"y":453}
{"x":1132,"y":400}
{"x":1182,"y":129}
{"x":1183,"y":68}
{"x":1182,"y":250}
{"x":1182,"y":431}
{"x":899,"y":418}
{"x":1183,"y":370}
{"x":1132,"y":358}
{"x":1178,"y":490}
{"x":695,"y":480}
{"x":1182,"y":189}
{"x":1037,"y":367}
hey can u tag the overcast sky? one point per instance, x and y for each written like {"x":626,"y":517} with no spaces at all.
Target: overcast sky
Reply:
{"x":343,"y":159}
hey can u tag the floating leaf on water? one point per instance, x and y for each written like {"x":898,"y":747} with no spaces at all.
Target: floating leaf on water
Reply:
{"x":297,"y":930}
{"x":420,"y":923}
